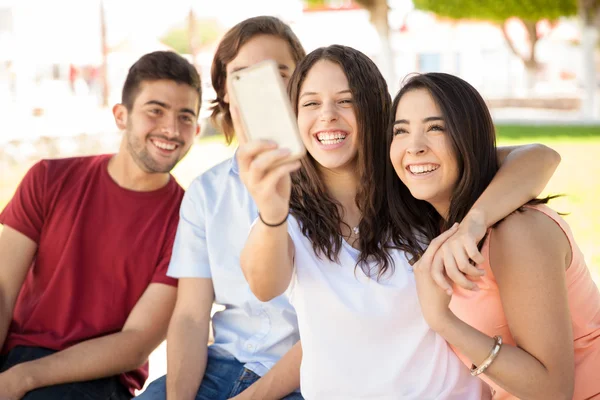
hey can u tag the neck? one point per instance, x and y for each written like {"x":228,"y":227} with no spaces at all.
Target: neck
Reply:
{"x":127,"y":174}
{"x":342,"y":185}
{"x":443,"y":208}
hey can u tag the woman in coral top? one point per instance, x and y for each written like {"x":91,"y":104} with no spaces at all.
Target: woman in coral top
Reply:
{"x":531,"y":327}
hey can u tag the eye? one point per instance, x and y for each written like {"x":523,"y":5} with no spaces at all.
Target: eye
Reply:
{"x":155,"y":111}
{"x":436,"y":127}
{"x":346,"y":101}
{"x":398,"y":131}
{"x":187,"y":119}
{"x":310,"y":104}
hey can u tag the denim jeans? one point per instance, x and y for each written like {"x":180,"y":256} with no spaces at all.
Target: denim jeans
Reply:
{"x":99,"y":389}
{"x":223,"y":379}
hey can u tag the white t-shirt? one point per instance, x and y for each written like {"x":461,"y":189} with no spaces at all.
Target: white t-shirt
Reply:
{"x":367,"y":339}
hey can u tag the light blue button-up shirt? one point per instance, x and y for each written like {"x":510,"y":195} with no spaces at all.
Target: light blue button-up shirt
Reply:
{"x":215,"y":218}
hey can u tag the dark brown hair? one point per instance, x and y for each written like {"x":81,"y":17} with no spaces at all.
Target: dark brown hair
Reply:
{"x":316,"y":210}
{"x":156,"y":66}
{"x":471,"y":132}
{"x":228,"y":49}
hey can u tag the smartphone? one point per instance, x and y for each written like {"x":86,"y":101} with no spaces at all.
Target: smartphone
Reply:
{"x":265,"y":108}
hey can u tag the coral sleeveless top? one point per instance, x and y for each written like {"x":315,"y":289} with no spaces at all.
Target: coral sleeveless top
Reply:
{"x":483,"y":310}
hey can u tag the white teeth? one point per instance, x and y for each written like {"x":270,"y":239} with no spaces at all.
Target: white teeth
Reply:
{"x":164,"y":146}
{"x":328,"y":142}
{"x":423,"y":168}
{"x":332,"y":137}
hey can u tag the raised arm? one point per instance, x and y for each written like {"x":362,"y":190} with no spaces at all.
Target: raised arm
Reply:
{"x":523,"y":174}
{"x":108,"y":355}
{"x":267,"y":258}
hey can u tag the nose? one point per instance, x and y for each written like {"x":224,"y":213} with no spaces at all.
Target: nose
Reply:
{"x":417,"y":145}
{"x":328,"y":113}
{"x":169,"y":127}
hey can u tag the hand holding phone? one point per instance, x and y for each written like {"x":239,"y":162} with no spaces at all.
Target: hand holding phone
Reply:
{"x":265,"y":109}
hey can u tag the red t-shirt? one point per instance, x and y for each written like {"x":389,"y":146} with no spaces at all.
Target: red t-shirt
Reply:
{"x":99,"y":247}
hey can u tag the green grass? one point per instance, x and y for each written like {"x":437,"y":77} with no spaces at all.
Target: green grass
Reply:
{"x":550,"y":133}
{"x":578,"y":177}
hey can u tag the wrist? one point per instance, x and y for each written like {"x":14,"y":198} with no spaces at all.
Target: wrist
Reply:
{"x":25,"y":373}
{"x":445,"y":324}
{"x":272,"y":220}
{"x":479,"y":217}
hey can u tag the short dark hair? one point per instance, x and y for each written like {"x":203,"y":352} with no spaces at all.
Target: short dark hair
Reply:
{"x":229,"y":48}
{"x":156,"y":66}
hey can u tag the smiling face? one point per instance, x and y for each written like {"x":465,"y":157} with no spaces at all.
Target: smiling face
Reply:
{"x":258,"y":49}
{"x":422,"y":152}
{"x":326,"y":116}
{"x":161,"y":125}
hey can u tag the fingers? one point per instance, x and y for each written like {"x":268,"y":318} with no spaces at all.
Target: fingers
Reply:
{"x":454,"y":273}
{"x":276,"y":174}
{"x":473,"y":252}
{"x":462,"y":260}
{"x":266,"y":162}
{"x":249,"y":151}
{"x":438,"y":273}
{"x":436,"y":243}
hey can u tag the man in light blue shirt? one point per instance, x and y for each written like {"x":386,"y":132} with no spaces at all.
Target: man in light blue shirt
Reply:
{"x":215,"y":217}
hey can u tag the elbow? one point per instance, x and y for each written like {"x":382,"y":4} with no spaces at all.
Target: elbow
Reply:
{"x":551,"y":156}
{"x":139,"y":358}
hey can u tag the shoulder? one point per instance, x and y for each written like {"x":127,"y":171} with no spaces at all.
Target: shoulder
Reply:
{"x":527,"y":235}
{"x":55,"y":172}
{"x":209,"y":181}
{"x":60,"y":166}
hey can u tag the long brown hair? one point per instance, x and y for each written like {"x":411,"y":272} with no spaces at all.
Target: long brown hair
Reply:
{"x":472,"y":135}
{"x":228,"y":49}
{"x":316,"y":210}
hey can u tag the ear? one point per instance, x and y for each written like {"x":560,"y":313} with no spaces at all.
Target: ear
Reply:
{"x":120,"y":114}
{"x":197,"y":129}
{"x":226,"y":97}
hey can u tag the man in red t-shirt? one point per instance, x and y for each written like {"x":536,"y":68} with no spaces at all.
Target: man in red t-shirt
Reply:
{"x":84,"y":296}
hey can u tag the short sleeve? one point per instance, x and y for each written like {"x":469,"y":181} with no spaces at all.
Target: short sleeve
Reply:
{"x":27,"y":209}
{"x":160,"y":272}
{"x":190,"y":252}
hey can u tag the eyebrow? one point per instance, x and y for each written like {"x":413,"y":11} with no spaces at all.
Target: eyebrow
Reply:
{"x":315,"y":93}
{"x":168,"y":107}
{"x":428,"y":119}
{"x":282,"y":67}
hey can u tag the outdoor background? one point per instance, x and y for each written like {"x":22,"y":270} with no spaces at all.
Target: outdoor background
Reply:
{"x":536,"y":62}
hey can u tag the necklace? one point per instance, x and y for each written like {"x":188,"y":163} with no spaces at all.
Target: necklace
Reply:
{"x":355,"y":230}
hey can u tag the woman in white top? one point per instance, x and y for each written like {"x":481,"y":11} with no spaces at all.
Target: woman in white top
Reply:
{"x":363,"y":334}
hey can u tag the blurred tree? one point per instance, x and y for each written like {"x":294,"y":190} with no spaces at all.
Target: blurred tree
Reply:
{"x":190,"y":35}
{"x":378,"y":14}
{"x":529,"y":12}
